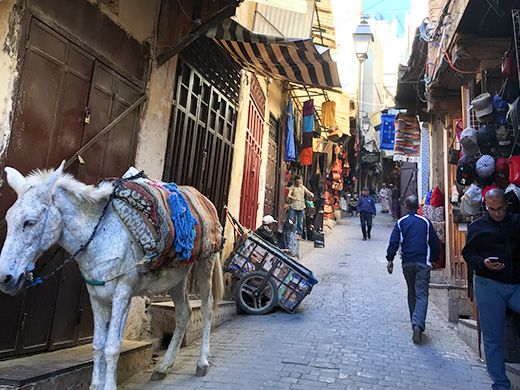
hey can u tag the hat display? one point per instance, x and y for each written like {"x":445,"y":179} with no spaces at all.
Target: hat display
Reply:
{"x":471,"y":201}
{"x":483,"y":106}
{"x":268,"y":219}
{"x":513,"y":114}
{"x":486,"y":189}
{"x":504,"y":140}
{"x":468,"y":140}
{"x":485,"y":166}
{"x":487,"y":140}
{"x":466,"y":170}
{"x":484,"y":181}
{"x":502,"y":172}
{"x":500,"y":108}
{"x":512,"y":195}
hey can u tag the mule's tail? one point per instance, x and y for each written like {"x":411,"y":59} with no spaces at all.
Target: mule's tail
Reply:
{"x":217,"y":283}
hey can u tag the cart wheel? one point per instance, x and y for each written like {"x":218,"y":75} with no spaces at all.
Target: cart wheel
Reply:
{"x":256,"y":302}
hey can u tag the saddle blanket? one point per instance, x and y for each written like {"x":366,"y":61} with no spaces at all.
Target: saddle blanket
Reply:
{"x":145,"y":209}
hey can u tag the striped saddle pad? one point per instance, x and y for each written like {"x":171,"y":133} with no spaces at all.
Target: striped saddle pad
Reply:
{"x":145,"y":210}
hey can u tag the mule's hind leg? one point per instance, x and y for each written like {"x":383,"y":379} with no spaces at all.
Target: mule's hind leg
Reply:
{"x":180,"y":299}
{"x":204,"y":271}
{"x":101,"y":320}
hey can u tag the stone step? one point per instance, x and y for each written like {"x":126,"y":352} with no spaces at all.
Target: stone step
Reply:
{"x":69,"y":368}
{"x":468,"y":331}
{"x":163,"y":319}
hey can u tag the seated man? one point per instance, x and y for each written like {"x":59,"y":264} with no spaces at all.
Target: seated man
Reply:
{"x":266,"y":231}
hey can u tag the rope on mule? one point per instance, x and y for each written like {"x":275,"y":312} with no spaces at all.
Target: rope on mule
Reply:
{"x":183,"y":221}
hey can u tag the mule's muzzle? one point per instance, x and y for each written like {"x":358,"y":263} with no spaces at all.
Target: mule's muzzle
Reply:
{"x":10,"y":284}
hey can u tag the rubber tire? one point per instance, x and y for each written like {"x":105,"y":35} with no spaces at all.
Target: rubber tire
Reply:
{"x":246,"y":301}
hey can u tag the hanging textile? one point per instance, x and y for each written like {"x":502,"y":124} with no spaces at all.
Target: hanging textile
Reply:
{"x":387,"y":132}
{"x":328,"y":114}
{"x":407,"y":145}
{"x":307,"y":129}
{"x":290,"y":154}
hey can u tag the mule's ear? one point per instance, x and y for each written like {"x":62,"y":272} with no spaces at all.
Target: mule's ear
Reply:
{"x":16,"y":181}
{"x":46,"y":189}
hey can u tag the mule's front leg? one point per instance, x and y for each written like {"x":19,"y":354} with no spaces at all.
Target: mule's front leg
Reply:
{"x":101,"y":321}
{"x":182,"y":316}
{"x":120,"y":309}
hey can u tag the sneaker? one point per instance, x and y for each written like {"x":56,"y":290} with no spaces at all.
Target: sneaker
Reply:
{"x":364,"y":238}
{"x":369,"y":236}
{"x":417,"y":334}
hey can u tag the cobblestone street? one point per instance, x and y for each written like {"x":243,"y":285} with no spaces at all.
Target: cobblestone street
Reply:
{"x":351,"y":332}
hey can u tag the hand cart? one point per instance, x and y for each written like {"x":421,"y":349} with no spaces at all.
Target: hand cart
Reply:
{"x":268,"y":276}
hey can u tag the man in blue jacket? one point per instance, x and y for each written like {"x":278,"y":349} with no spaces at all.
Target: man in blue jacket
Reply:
{"x":419,"y":248}
{"x":493,"y":251}
{"x":366,"y":210}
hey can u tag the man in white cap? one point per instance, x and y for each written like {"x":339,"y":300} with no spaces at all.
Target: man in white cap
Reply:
{"x":266,"y":230}
{"x":492,"y":250}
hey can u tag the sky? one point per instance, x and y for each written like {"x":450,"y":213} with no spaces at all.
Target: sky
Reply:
{"x":346,"y":18}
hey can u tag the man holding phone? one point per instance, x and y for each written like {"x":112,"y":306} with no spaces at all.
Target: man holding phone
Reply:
{"x":493,"y":251}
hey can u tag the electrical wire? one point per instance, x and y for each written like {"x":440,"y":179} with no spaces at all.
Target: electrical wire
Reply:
{"x":453,"y":67}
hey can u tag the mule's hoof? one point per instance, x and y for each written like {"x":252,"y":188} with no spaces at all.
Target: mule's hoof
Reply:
{"x":158,"y":376}
{"x":202,"y":370}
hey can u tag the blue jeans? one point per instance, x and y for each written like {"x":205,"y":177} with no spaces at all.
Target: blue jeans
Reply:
{"x":493,"y":298}
{"x":417,"y":278}
{"x":293,"y":214}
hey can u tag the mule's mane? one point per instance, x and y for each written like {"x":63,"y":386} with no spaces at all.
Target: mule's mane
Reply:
{"x":67,"y":182}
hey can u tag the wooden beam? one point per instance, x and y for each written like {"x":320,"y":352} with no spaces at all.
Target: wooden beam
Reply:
{"x":195,"y":33}
{"x":470,"y":47}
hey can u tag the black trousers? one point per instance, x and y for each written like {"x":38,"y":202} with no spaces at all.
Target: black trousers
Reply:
{"x":366,"y":222}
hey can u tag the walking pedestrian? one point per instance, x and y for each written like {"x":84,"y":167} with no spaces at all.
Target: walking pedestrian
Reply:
{"x":366,"y":211}
{"x":383,"y":193}
{"x":296,"y":199}
{"x":493,"y":251}
{"x":419,"y":248}
{"x":396,"y":204}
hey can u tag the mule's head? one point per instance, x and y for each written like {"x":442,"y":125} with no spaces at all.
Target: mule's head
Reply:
{"x":34,"y":224}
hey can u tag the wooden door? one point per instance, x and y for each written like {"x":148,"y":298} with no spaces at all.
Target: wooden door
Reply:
{"x":253,"y":156}
{"x":272,"y":175}
{"x":59,"y":81}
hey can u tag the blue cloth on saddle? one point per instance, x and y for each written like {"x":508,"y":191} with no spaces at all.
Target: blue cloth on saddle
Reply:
{"x":183,"y":221}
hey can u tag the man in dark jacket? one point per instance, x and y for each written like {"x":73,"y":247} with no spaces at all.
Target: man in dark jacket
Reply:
{"x":492,"y":250}
{"x":419,"y":248}
{"x":366,"y":210}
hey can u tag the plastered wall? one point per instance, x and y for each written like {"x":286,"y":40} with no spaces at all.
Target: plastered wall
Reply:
{"x":136,"y":17}
{"x":237,"y":169}
{"x":9,"y":37}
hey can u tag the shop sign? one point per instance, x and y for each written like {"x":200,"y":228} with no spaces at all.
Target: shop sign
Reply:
{"x":369,"y":157}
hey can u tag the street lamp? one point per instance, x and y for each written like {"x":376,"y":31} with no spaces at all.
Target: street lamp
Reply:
{"x":363,"y":39}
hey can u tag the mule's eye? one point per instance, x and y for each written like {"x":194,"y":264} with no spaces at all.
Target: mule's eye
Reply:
{"x":28,"y":223}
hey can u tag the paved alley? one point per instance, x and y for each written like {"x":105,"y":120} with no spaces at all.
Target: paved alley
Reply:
{"x":351,"y":332}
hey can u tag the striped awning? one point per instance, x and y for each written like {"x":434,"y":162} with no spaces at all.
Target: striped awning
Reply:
{"x":295,"y":60}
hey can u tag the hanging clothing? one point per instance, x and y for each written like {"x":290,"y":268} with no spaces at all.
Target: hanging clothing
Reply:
{"x":308,"y":126}
{"x":328,"y":114}
{"x":407,"y":145}
{"x":290,"y":154}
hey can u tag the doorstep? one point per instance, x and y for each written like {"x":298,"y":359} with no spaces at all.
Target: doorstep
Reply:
{"x":69,"y":368}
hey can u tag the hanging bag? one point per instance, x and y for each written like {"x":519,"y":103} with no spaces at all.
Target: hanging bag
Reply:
{"x":509,"y":65}
{"x":514,"y":165}
{"x":453,"y":154}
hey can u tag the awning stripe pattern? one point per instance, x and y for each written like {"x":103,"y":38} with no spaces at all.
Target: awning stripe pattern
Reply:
{"x":295,"y":60}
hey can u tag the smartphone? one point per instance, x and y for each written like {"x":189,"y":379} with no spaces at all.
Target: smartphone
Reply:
{"x":493,"y":259}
